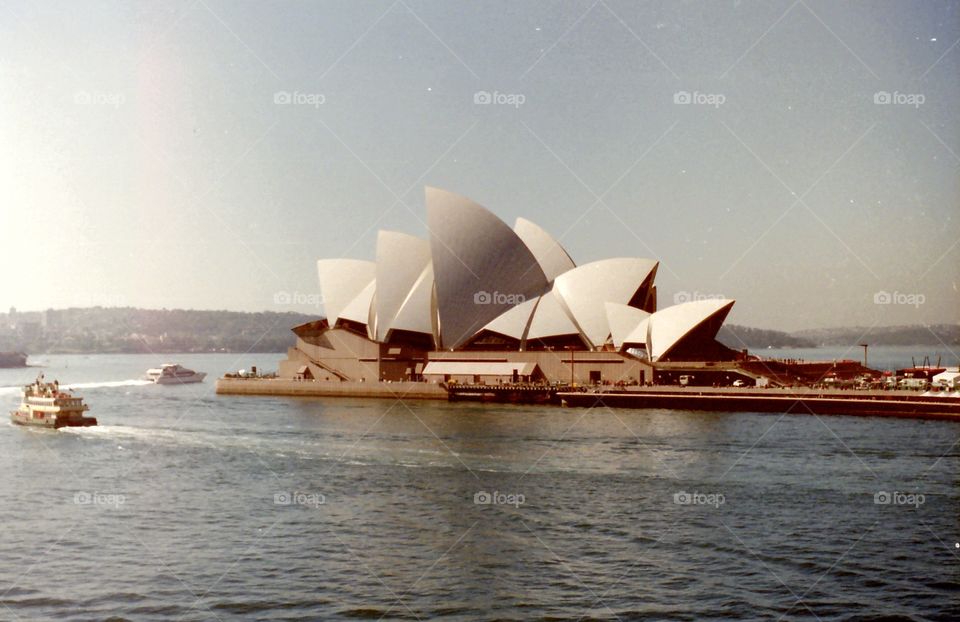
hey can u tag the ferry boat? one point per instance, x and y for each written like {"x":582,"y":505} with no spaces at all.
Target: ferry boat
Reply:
{"x":46,"y":405}
{"x":173,"y":373}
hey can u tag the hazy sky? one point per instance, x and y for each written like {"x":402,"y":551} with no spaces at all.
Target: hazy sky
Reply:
{"x":204,"y":154}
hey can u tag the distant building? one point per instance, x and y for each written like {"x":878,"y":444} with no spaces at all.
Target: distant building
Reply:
{"x":29,"y":329}
{"x":51,"y":319}
{"x":482,"y":301}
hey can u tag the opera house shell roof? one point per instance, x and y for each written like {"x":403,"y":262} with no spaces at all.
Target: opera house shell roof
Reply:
{"x":478,"y":284}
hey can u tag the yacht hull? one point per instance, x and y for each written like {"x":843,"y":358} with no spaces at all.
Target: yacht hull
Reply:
{"x":198,"y":377}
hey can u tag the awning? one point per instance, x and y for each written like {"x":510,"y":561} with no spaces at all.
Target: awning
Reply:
{"x":479,"y":368}
{"x":302,"y":369}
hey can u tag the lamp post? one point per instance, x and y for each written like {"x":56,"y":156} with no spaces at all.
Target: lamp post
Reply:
{"x":573,"y":381}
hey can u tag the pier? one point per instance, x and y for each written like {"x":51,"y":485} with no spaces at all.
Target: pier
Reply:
{"x":795,"y":400}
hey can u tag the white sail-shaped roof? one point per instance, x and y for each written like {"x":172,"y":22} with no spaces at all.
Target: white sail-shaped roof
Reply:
{"x":639,"y":336}
{"x":550,"y":319}
{"x":514,"y":321}
{"x":401,"y":259}
{"x":552,"y":257}
{"x":342,"y":280}
{"x":477,"y":274}
{"x":586,"y":288}
{"x":481,"y":267}
{"x":416,"y":311}
{"x":623,"y":320}
{"x":669,"y":327}
{"x":361,"y":309}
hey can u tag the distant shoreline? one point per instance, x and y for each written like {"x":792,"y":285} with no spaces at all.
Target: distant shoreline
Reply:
{"x":156,"y":354}
{"x":922,"y":348}
{"x":128,"y":330}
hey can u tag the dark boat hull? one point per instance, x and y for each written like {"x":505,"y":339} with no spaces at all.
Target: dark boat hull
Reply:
{"x":809,"y":403}
{"x":53,"y":422}
{"x":13,"y":359}
{"x":502,"y":393}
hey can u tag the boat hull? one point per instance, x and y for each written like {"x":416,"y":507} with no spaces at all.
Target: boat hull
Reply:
{"x":13,"y":359}
{"x":198,"y":377}
{"x":53,"y":422}
{"x":863,"y":403}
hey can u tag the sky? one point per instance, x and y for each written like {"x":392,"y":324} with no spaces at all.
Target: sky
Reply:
{"x":799,"y":156}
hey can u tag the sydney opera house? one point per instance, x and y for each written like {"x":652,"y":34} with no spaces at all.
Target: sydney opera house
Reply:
{"x":480,"y":301}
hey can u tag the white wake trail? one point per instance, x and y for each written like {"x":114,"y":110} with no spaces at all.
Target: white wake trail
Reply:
{"x":110,"y":383}
{"x":84,"y":385}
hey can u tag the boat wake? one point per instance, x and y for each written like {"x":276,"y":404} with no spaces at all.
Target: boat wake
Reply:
{"x":84,"y":385}
{"x":131,"y":432}
{"x":111,"y":383}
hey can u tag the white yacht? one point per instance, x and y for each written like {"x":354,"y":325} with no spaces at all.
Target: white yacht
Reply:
{"x":173,"y":373}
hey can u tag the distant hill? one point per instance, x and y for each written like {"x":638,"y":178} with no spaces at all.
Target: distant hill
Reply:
{"x":739,"y":337}
{"x":935,"y":335}
{"x":129,"y":330}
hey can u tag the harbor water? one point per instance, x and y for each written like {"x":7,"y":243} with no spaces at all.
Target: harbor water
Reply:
{"x":185,"y":505}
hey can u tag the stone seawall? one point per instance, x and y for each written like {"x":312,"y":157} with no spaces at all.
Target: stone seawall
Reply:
{"x":311,"y":388}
